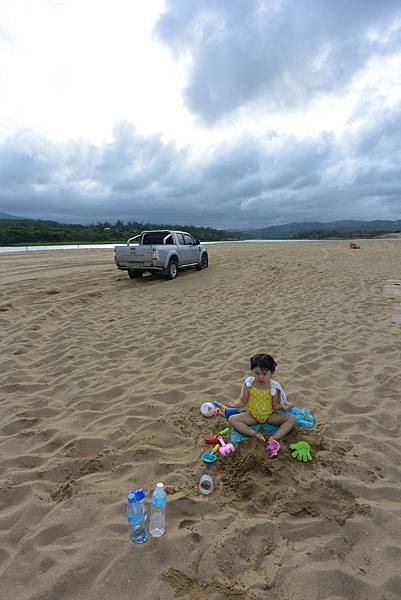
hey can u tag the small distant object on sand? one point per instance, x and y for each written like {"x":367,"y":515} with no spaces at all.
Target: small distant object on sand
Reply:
{"x":392,"y":289}
{"x":354,"y":246}
{"x":396,"y":316}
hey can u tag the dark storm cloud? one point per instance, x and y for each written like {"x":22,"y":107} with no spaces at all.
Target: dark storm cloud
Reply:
{"x":275,"y":53}
{"x":250,"y":183}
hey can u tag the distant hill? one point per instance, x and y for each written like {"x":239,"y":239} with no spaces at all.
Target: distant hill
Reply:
{"x":12,"y":217}
{"x":18,"y":230}
{"x":317,"y":230}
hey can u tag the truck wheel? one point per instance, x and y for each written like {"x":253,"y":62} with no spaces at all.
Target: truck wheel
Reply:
{"x":134,"y":273}
{"x":204,"y":262}
{"x":172,"y":269}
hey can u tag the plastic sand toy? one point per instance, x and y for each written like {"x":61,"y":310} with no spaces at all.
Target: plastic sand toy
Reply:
{"x":301,"y":451}
{"x":210,"y":457}
{"x":273,"y":448}
{"x":226,"y":448}
{"x":211,"y":438}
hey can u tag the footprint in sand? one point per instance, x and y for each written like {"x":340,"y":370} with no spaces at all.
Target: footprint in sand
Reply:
{"x":5,"y":307}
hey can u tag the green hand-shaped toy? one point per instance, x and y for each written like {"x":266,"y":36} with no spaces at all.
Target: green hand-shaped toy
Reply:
{"x":301,"y":451}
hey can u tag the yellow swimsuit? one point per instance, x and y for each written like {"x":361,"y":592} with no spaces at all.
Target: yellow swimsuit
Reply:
{"x":260,"y":404}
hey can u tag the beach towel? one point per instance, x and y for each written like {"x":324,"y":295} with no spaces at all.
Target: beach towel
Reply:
{"x":303,"y":418}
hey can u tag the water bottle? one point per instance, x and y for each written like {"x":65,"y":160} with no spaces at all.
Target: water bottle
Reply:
{"x":136,"y":514}
{"x":157,"y":524}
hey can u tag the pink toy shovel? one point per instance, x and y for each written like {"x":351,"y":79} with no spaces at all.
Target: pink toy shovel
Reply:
{"x":273,"y":448}
{"x":226,"y":448}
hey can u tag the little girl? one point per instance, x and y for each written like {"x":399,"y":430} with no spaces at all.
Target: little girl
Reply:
{"x":261,"y":400}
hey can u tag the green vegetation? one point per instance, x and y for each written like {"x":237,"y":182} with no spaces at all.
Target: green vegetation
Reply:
{"x":14,"y":232}
{"x":21,"y":232}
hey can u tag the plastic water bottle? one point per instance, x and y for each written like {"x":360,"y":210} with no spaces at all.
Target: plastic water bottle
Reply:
{"x":136,"y":514}
{"x":157,"y":524}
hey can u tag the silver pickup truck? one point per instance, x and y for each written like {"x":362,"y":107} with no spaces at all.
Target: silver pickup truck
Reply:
{"x":160,"y":251}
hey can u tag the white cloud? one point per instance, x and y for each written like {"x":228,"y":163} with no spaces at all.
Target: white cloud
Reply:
{"x":76,"y":67}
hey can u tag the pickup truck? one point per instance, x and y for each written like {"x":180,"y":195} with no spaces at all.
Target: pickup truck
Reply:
{"x":161,"y":251}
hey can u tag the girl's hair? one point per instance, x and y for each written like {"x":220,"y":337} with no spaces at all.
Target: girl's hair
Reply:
{"x":264,"y":362}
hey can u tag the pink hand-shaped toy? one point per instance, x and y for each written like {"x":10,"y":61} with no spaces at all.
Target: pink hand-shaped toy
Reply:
{"x":225,"y":448}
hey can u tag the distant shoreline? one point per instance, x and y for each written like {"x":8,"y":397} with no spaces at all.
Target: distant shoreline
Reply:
{"x":108,"y":245}
{"x":37,"y":248}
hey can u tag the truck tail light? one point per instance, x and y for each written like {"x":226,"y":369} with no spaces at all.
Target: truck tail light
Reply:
{"x":155,"y":254}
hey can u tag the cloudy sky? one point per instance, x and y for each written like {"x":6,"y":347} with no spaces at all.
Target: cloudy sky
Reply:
{"x":228,"y":113}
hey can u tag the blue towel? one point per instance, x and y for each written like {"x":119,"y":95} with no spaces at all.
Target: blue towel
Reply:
{"x":303,"y":417}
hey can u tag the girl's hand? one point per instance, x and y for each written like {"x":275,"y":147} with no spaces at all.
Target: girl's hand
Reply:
{"x":260,"y":437}
{"x":287,"y":405}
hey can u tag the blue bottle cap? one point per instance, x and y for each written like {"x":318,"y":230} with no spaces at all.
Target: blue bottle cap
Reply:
{"x":139,"y":494}
{"x":136,"y":495}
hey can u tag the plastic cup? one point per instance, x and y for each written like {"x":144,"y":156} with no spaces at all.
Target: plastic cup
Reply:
{"x":206,"y":484}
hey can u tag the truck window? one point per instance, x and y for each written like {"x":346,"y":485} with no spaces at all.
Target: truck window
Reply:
{"x":189,"y":241}
{"x":170,"y":240}
{"x":180,"y":239}
{"x":154,"y":237}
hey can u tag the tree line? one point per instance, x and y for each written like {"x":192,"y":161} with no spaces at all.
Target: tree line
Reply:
{"x":24,"y":232}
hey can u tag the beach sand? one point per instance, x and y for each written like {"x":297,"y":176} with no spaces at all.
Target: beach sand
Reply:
{"x":101,"y":379}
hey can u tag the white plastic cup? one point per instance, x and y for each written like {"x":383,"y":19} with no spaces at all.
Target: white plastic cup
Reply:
{"x":206,"y":484}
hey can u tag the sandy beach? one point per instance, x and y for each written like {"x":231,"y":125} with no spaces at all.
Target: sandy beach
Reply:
{"x":101,"y":379}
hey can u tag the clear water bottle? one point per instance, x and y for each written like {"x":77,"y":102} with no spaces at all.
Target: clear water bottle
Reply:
{"x":136,"y":514}
{"x":157,"y":524}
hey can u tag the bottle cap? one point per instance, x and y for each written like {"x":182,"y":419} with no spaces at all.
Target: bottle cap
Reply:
{"x":139,"y":494}
{"x":136,"y":495}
